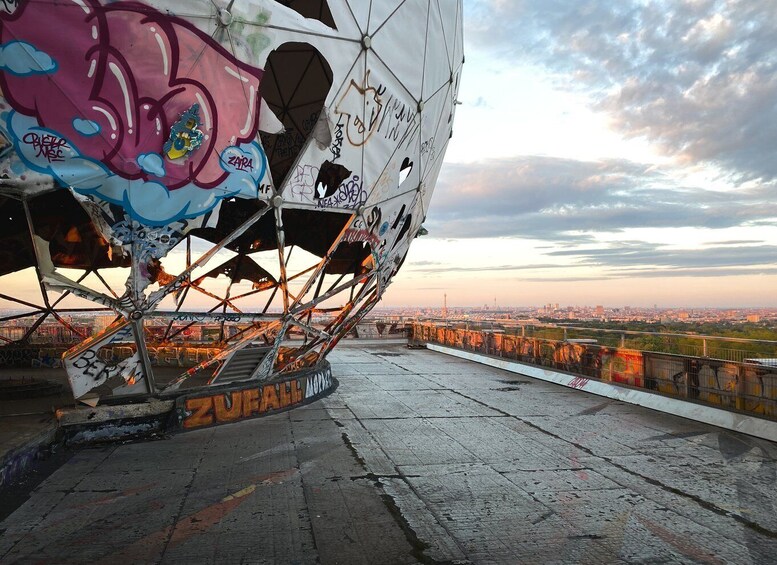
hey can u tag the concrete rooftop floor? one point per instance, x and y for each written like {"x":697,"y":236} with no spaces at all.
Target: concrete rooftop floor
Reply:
{"x":417,"y":457}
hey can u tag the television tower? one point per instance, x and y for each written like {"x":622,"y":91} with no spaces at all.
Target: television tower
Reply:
{"x":445,"y":306}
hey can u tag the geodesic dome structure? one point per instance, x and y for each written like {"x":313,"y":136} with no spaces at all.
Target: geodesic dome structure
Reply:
{"x":254,"y":170}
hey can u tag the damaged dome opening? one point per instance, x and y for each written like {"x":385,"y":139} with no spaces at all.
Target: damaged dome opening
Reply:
{"x":295,"y":85}
{"x":313,"y":9}
{"x":186,"y":209}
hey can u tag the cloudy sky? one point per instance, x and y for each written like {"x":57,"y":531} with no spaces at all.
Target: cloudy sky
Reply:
{"x":618,"y":153}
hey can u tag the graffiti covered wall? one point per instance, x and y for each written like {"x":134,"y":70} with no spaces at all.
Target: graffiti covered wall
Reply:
{"x":161,"y":356}
{"x":250,"y":401}
{"x":739,"y":386}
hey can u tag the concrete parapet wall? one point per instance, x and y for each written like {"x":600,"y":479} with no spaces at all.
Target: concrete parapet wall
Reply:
{"x":729,"y":385}
{"x":743,"y":423}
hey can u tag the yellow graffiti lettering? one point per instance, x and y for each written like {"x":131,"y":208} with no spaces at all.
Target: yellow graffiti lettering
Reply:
{"x":225,"y":413}
{"x":250,"y":402}
{"x":297,"y":392}
{"x":270,"y":399}
{"x":285,"y":390}
{"x":200,"y":408}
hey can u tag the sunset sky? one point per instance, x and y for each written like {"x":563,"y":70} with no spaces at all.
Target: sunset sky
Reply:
{"x":607,"y":153}
{"x":616,"y":153}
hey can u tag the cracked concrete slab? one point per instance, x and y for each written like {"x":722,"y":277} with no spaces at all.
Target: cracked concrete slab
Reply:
{"x":416,"y":458}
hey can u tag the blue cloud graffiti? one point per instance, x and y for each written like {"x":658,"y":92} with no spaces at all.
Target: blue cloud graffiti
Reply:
{"x":86,"y":128}
{"x":145,"y":201}
{"x":22,"y":59}
{"x":152,"y":164}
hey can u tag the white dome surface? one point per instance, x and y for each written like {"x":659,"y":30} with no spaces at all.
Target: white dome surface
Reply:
{"x":253,"y":168}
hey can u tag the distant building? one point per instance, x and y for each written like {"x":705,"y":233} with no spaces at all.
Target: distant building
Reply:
{"x":101,"y":322}
{"x":12,"y":333}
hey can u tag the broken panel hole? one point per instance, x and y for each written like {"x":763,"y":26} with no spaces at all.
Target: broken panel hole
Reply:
{"x":16,"y":251}
{"x":313,"y":9}
{"x":241,"y":268}
{"x":350,"y":258}
{"x":296,"y":81}
{"x":405,"y":170}
{"x":312,"y":230}
{"x":261,"y":235}
{"x":74,"y":240}
{"x":330,"y":177}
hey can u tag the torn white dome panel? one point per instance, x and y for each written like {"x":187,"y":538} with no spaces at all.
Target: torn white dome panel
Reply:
{"x":144,"y":144}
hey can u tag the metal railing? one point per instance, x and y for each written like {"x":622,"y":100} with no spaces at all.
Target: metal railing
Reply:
{"x":743,"y":386}
{"x":691,"y":344}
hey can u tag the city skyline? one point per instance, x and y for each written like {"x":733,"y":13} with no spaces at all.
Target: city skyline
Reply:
{"x":615,"y":154}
